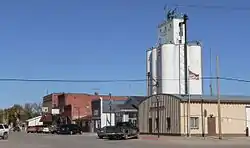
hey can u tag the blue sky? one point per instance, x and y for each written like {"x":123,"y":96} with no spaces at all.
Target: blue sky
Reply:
{"x":62,"y":39}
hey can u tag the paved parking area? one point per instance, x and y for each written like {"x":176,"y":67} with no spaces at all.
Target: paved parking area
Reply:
{"x":23,"y":140}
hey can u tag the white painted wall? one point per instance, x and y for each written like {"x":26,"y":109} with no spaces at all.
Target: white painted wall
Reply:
{"x":35,"y":121}
{"x":105,"y":119}
{"x":195,"y":65}
{"x":153,"y":70}
{"x":175,"y":31}
{"x":233,"y":117}
{"x":171,"y":72}
{"x":148,"y":65}
{"x":125,"y":118}
{"x":169,"y":31}
{"x":169,"y":69}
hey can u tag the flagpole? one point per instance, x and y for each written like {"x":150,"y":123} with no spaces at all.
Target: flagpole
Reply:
{"x":188,"y":106}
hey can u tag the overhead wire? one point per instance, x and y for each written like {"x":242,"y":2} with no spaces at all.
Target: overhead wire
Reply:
{"x":109,"y":80}
{"x":213,"y":7}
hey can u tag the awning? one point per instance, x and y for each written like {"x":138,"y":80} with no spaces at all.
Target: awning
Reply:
{"x":46,"y":118}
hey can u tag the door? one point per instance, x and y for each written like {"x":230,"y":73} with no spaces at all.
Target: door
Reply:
{"x":247,"y":120}
{"x":211,"y":126}
{"x":150,"y":125}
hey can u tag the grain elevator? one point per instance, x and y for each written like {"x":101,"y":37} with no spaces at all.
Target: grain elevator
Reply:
{"x":174,"y":65}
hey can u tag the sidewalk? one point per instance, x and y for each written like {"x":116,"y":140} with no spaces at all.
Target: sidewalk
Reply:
{"x":196,"y":140}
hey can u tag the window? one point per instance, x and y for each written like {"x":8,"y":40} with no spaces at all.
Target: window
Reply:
{"x":168,"y":123}
{"x":132,"y":115}
{"x":156,"y":122}
{"x":6,"y":126}
{"x":194,"y":122}
{"x":1,"y":127}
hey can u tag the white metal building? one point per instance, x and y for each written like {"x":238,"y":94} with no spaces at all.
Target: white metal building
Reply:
{"x":173,"y":117}
{"x":165,"y":63}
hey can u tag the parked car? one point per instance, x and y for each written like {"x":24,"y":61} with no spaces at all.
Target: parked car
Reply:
{"x":16,"y":129}
{"x":122,"y":130}
{"x":101,"y":132}
{"x":46,"y":130}
{"x":54,"y":129}
{"x":70,"y":129}
{"x":4,"y":131}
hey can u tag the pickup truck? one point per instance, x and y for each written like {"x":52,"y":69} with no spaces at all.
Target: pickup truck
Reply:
{"x":4,"y":131}
{"x":101,"y":132}
{"x":122,"y":130}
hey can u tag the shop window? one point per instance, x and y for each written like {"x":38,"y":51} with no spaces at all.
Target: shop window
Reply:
{"x":194,"y":122}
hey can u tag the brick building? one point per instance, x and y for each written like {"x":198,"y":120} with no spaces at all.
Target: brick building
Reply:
{"x":78,"y":105}
{"x":51,"y":101}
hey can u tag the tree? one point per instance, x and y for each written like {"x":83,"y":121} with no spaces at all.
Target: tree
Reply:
{"x":18,"y":113}
{"x":37,"y":109}
{"x":33,"y":109}
{"x":1,"y":116}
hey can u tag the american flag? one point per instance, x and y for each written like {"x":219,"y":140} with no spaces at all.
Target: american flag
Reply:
{"x":193,"y":76}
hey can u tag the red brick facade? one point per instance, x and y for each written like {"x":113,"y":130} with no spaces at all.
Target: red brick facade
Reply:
{"x":51,"y":101}
{"x":79,"y":105}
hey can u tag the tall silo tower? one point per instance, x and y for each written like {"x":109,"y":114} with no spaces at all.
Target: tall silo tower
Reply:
{"x":175,"y":63}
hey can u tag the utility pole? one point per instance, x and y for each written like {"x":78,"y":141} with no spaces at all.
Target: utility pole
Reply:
{"x":185,"y":17}
{"x":218,"y":96}
{"x":188,"y":106}
{"x":157,"y":103}
{"x":158,"y":116}
{"x":110,"y":108}
{"x":148,"y":84}
{"x":202,"y":118}
{"x":202,"y":99}
{"x":211,"y":80}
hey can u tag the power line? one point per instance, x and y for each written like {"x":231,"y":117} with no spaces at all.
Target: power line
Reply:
{"x":214,"y":7}
{"x":108,"y":81}
{"x":68,"y":81}
{"x":235,"y":79}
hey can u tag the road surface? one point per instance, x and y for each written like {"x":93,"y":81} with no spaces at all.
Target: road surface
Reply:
{"x":23,"y":140}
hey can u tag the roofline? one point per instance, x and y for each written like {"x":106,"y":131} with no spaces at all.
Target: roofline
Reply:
{"x":51,"y":94}
{"x":183,"y":99}
{"x":216,"y":101}
{"x":66,"y":93}
{"x":101,"y":95}
{"x":120,"y":99}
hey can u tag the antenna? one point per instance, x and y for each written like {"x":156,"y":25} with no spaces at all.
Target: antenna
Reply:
{"x":165,"y":12}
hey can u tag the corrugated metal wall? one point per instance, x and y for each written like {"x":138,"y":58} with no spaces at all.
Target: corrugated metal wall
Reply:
{"x":169,"y":108}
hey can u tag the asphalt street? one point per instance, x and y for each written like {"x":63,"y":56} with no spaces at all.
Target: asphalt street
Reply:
{"x":23,"y":140}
